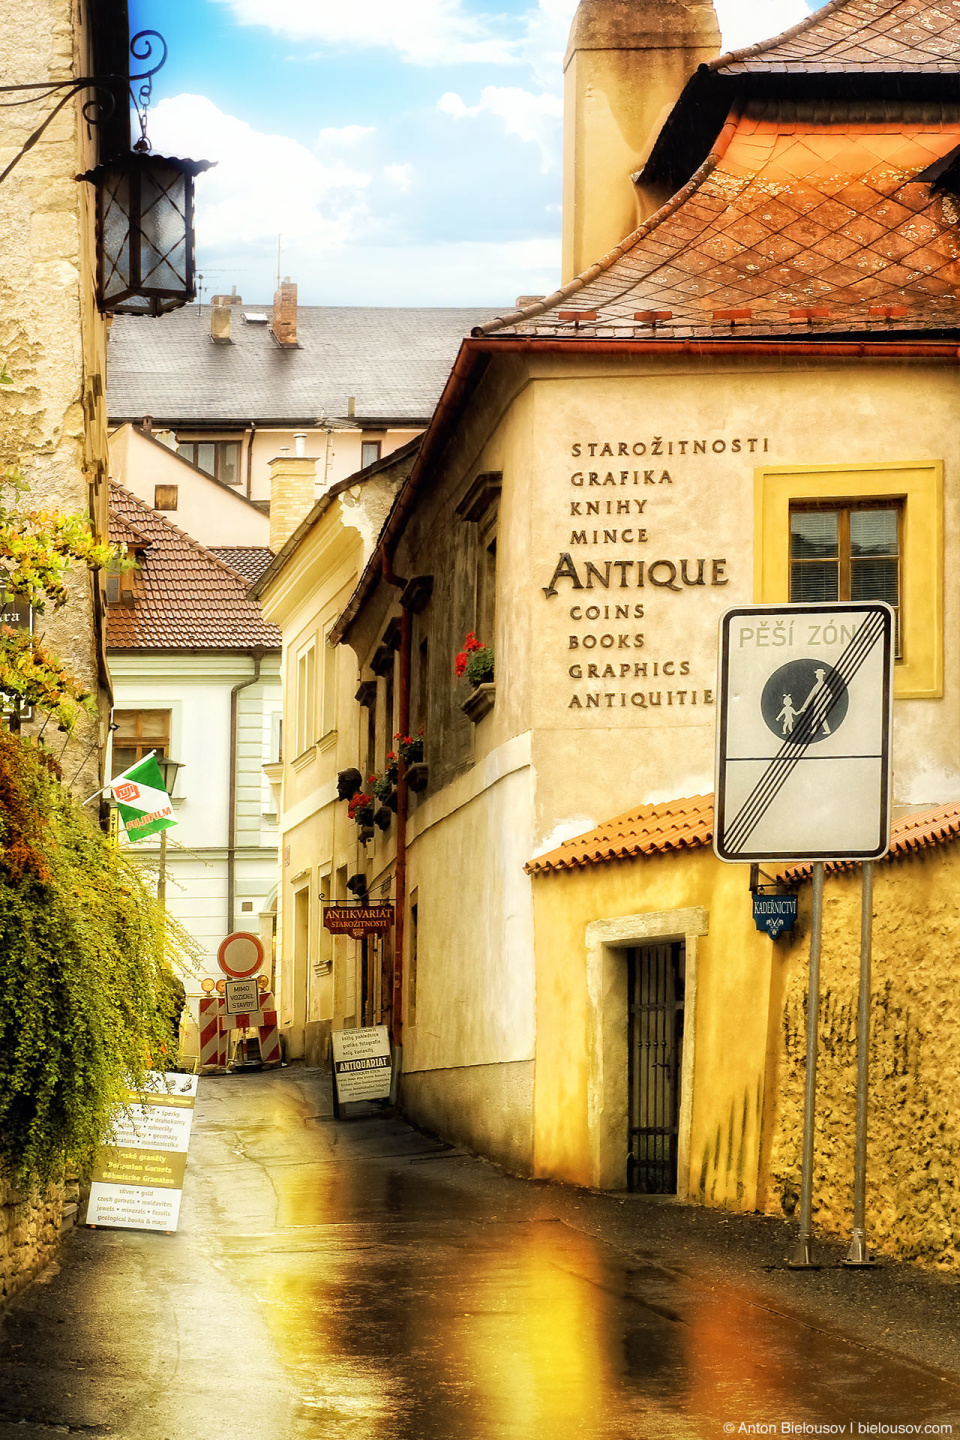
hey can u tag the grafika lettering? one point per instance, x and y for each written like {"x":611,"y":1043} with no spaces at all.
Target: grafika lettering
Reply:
{"x":660,"y":445}
{"x":672,"y":575}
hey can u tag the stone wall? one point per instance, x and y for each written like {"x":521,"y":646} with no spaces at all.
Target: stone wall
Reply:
{"x":31,"y":1226}
{"x":913,"y":1179}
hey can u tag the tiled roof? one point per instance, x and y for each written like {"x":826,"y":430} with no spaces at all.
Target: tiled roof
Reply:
{"x":911,"y":833}
{"x":250,"y":561}
{"x":185,"y":598}
{"x":807,"y":217}
{"x":686,"y":824}
{"x":856,"y":36}
{"x":393,"y":362}
{"x":645,"y":830}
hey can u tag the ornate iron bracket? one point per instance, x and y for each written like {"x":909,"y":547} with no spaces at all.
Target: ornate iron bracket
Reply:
{"x":102,"y":104}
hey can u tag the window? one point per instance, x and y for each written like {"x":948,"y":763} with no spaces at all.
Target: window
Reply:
{"x":861,"y":554}
{"x":219,"y":458}
{"x":487,"y":578}
{"x":846,"y":552}
{"x":369,"y":453}
{"x":306,"y":697}
{"x":389,"y":728}
{"x":137,"y":733}
{"x":372,"y":738}
{"x":328,"y":692}
{"x":165,"y":497}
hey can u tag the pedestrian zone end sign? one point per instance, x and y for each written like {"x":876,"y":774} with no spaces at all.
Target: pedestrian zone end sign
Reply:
{"x":803,"y":732}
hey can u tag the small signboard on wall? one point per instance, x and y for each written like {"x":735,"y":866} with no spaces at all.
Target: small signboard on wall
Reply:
{"x":358,"y":920}
{"x":362,"y":1066}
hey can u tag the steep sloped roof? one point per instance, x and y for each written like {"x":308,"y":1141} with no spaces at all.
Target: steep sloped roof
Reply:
{"x":852,"y":36}
{"x":185,"y":598}
{"x":392,"y":361}
{"x":806,"y":215}
{"x":250,"y":561}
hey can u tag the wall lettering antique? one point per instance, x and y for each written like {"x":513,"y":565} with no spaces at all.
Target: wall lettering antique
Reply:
{"x":663,"y":574}
{"x":640,"y":699}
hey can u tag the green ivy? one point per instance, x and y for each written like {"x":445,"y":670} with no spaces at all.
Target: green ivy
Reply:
{"x":84,"y":947}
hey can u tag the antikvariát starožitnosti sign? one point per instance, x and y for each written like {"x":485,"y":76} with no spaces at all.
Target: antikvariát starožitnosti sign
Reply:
{"x":142,"y":800}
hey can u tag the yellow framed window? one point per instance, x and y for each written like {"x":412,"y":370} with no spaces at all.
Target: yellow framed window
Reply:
{"x":846,"y":552}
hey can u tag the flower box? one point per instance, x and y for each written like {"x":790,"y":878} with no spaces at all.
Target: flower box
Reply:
{"x":480,"y":702}
{"x":417,"y":776}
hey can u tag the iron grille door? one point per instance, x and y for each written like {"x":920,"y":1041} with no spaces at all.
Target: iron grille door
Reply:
{"x":656,"y":990}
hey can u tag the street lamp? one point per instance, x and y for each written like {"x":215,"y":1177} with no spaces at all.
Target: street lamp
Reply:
{"x":169,"y":769}
{"x":145,"y":239}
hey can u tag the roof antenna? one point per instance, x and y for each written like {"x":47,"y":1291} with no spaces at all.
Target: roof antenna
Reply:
{"x":279,"y":238}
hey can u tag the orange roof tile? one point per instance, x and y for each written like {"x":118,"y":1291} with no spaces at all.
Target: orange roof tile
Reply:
{"x":910,"y":833}
{"x":688,"y":823}
{"x":645,"y":830}
{"x":185,"y":598}
{"x":801,"y":205}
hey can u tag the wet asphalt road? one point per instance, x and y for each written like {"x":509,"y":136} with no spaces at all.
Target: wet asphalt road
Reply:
{"x":360,"y":1281}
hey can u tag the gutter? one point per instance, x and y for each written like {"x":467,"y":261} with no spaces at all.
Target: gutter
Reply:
{"x":258,"y":655}
{"x":480,"y":348}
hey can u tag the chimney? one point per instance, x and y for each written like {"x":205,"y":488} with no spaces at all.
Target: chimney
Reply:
{"x":626,"y":63}
{"x":293,"y":481}
{"x":220,"y":322}
{"x":285,"y":314}
{"x":232,"y":299}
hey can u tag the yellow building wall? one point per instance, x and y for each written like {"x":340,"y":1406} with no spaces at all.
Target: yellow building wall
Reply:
{"x":732,"y":997}
{"x":913,"y":1196}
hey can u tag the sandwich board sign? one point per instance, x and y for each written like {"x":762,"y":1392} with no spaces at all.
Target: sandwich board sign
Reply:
{"x":362,"y":1065}
{"x":803,"y":732}
{"x":138,"y":1177}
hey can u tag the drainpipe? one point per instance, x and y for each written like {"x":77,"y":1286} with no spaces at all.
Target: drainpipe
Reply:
{"x":400,"y":869}
{"x":232,"y":813}
{"x":253,"y":436}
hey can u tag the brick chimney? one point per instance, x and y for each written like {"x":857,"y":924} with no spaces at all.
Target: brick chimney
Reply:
{"x":220,"y":322}
{"x":285,"y":314}
{"x":625,"y":66}
{"x":293,"y":481}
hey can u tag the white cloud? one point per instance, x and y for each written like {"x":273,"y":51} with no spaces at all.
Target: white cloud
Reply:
{"x":263,"y":185}
{"x":343,"y":137}
{"x":535,"y":118}
{"x":423,"y":32}
{"x":744,"y":22}
{"x":399,"y":175}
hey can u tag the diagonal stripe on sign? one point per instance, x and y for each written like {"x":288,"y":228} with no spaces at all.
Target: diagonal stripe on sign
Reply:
{"x":793,"y":750}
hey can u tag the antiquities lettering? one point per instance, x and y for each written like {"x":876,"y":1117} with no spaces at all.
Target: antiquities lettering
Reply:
{"x":657,"y":445}
{"x":663,"y":574}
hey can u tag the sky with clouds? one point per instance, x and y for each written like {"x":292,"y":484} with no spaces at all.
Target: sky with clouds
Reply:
{"x":405,"y":153}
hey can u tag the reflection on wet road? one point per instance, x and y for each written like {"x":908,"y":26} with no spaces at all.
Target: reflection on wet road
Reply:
{"x":413,"y":1294}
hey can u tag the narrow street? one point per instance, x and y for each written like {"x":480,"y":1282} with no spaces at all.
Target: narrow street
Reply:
{"x":358,"y":1280}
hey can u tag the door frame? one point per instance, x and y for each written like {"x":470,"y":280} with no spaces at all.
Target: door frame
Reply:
{"x":608,"y":1099}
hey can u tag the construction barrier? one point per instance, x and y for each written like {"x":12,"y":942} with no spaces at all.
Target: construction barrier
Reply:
{"x":213,"y":1037}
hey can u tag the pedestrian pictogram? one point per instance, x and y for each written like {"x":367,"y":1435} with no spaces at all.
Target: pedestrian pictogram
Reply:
{"x":803,"y":747}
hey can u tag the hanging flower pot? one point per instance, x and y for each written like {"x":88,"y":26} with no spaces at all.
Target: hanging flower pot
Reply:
{"x":475,"y":661}
{"x":410,"y":747}
{"x":361,"y":809}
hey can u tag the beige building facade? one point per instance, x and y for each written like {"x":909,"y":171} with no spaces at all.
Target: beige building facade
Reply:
{"x":750,"y":397}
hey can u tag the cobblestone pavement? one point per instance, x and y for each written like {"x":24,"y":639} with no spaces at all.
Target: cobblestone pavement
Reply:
{"x":358,"y":1280}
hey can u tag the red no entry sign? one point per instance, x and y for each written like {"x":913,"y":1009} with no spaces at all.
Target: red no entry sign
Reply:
{"x":240,"y":955}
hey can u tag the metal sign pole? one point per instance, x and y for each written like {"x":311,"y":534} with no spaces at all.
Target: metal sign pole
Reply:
{"x":803,"y":1254}
{"x":858,"y":1254}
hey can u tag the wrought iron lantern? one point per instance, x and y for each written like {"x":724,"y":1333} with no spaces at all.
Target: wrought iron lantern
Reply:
{"x":145,"y":237}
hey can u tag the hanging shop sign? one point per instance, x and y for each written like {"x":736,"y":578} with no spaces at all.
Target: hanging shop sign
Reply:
{"x":358,"y":920}
{"x":138,"y":1177}
{"x":803,"y":733}
{"x":774,"y":915}
{"x":362,"y":1065}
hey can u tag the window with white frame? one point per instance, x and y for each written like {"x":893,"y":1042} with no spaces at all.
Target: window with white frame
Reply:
{"x":306,"y":697}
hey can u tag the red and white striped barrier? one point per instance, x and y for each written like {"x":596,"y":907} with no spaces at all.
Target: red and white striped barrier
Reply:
{"x":213,"y":1038}
{"x":269,"y":1034}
